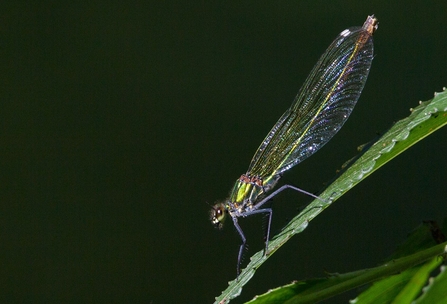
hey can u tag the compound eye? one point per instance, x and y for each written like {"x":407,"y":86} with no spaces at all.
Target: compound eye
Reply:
{"x":217,"y":215}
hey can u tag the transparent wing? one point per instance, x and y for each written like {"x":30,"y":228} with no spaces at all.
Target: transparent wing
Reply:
{"x":321,"y":107}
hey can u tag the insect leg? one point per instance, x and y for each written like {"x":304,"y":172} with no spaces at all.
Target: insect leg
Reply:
{"x":270,"y":213}
{"x":282,"y":188}
{"x":241,"y":248}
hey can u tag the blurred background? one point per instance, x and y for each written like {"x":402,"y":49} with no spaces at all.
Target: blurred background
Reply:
{"x":121,"y":120}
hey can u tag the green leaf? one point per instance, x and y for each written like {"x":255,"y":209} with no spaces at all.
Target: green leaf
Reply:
{"x":315,"y":290}
{"x":404,"y":287}
{"x":435,"y":292}
{"x":399,"y":280}
{"x":417,"y":281}
{"x":425,"y":119}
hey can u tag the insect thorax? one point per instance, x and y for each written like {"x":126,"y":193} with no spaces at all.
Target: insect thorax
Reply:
{"x":245,"y":193}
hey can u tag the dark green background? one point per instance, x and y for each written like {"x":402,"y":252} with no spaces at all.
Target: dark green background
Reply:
{"x":120,"y":120}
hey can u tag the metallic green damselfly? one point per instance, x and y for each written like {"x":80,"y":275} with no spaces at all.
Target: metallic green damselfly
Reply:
{"x":320,"y":109}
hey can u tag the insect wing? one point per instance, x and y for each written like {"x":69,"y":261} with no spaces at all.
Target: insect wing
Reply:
{"x":321,"y":107}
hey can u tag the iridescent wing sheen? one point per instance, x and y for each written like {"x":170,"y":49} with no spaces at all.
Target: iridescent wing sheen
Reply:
{"x":321,"y":107}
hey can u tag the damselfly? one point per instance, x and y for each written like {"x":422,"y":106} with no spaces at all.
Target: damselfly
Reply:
{"x":320,"y":109}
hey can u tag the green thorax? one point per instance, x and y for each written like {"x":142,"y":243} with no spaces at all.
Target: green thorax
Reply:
{"x":247,"y":190}
{"x":244,"y":193}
